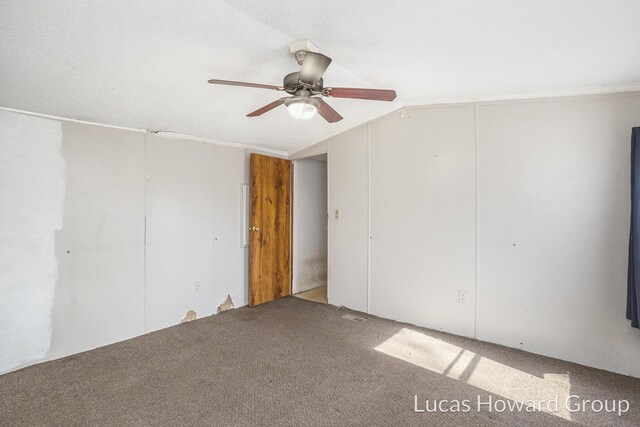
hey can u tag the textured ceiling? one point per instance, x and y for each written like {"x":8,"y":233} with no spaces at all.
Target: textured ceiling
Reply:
{"x":144,"y":64}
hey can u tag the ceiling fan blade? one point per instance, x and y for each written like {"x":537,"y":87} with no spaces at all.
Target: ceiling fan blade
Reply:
{"x":313,"y":67}
{"x":245,"y":84}
{"x":266,"y":108}
{"x":328,"y":113}
{"x":354,"y":93}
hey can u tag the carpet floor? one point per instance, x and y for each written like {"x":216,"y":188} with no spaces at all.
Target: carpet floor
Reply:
{"x":295,"y":362}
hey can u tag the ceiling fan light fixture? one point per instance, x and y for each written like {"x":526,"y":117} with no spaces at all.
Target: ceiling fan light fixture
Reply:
{"x":302,"y":107}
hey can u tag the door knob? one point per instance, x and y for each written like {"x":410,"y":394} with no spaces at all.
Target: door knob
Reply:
{"x":254,"y":228}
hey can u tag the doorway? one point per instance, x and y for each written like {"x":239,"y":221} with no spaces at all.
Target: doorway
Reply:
{"x":309,"y":274}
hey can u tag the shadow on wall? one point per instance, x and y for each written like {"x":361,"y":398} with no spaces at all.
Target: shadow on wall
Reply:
{"x":312,"y":274}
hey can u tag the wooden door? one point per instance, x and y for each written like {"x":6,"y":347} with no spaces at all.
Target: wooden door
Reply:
{"x":269,"y":229}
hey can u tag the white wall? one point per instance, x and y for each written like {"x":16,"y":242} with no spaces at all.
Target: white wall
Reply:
{"x":180,"y":207}
{"x":553,"y":229}
{"x":72,"y":234}
{"x":541,"y":187}
{"x":99,"y":295}
{"x":348,"y":168}
{"x":309,"y":224}
{"x":423,"y":218}
{"x":230,"y":276}
{"x":32,"y":187}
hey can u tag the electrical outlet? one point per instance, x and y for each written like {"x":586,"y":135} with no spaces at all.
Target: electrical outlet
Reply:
{"x":337,"y":213}
{"x":196,"y":287}
{"x":462,"y":297}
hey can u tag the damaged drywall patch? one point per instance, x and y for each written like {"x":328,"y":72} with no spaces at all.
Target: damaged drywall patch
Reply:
{"x":190,"y":316}
{"x":32,"y":193}
{"x":226,"y":305}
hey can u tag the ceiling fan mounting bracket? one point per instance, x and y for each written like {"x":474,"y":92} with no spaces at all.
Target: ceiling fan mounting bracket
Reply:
{"x":303,"y":45}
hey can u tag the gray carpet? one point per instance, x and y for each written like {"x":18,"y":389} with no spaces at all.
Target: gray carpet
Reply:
{"x":295,"y":362}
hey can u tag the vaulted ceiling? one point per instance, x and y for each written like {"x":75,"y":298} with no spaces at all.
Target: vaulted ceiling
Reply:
{"x":145,"y":64}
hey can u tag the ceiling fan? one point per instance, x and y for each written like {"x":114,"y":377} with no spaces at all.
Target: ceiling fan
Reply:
{"x":307,"y":89}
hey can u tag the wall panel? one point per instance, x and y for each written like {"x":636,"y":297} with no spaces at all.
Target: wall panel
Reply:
{"x":100,"y":248}
{"x":423,"y":218}
{"x":348,"y":193}
{"x":229,"y":255}
{"x":553,"y":206}
{"x":180,"y":230}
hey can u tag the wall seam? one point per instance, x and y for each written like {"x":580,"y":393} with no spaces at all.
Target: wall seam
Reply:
{"x":369,"y":237}
{"x":329,"y":210}
{"x":214,"y":238}
{"x":475,"y":153}
{"x":146,"y":176}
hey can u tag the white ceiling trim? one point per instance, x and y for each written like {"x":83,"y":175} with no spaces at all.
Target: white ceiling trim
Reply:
{"x":566,"y":93}
{"x":65,"y":119}
{"x":169,"y":134}
{"x":600,"y":90}
{"x":561,"y":93}
{"x":165,"y":134}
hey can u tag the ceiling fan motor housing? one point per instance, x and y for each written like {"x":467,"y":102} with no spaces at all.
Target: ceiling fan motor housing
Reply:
{"x":291,"y":84}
